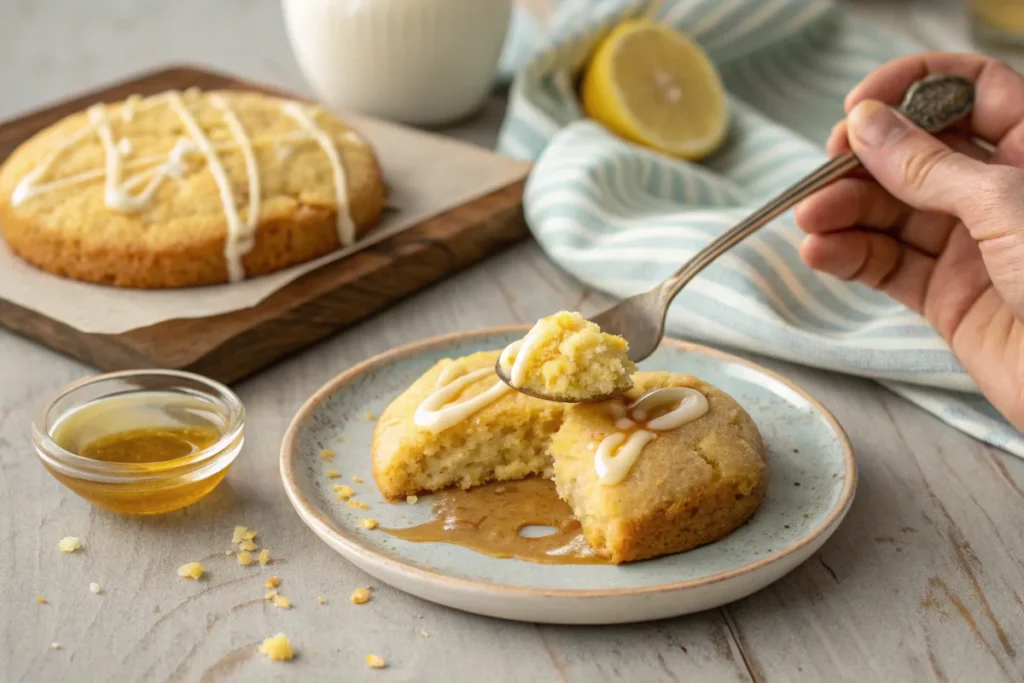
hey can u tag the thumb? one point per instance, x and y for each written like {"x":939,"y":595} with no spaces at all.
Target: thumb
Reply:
{"x":912,"y":165}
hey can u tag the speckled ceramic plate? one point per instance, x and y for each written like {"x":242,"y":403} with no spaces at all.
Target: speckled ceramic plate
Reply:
{"x":812,"y":481}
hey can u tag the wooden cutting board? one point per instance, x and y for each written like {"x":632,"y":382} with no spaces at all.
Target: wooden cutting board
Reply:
{"x":231,"y":346}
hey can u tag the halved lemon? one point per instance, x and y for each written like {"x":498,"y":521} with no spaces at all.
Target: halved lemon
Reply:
{"x":654,"y":86}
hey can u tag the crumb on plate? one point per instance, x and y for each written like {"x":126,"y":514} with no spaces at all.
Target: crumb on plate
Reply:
{"x":344,"y":491}
{"x":69,"y":544}
{"x":327,"y":454}
{"x":95,"y":588}
{"x":277,"y":648}
{"x":360,"y":595}
{"x":424,"y":634}
{"x":357,"y":504}
{"x":368,"y":523}
{"x":357,"y":480}
{"x":369,"y":416}
{"x":375,"y":662}
{"x":411,"y":500}
{"x":191,"y":570}
{"x":333,"y":474}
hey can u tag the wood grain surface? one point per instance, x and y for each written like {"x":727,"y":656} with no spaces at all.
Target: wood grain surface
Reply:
{"x":924,"y":580}
{"x":233,"y":345}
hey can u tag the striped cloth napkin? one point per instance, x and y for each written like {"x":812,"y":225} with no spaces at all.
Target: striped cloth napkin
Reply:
{"x":621,"y":218}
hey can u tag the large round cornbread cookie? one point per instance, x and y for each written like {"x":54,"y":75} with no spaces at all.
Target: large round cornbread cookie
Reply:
{"x":184,"y":189}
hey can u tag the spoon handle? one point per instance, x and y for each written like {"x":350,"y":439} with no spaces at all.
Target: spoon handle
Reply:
{"x":824,"y":175}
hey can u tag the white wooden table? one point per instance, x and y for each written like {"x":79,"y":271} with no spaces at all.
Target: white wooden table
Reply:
{"x":924,"y":580}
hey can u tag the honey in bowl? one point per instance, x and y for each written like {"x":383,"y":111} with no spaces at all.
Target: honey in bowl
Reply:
{"x":154,"y":447}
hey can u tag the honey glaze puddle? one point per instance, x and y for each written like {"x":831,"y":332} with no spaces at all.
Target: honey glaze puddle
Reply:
{"x":489,"y":518}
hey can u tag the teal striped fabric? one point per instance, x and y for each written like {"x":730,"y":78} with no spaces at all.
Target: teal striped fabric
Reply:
{"x":621,"y":218}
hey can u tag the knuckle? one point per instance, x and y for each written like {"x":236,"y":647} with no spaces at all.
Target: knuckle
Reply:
{"x":921,"y":164}
{"x":1002,"y":186}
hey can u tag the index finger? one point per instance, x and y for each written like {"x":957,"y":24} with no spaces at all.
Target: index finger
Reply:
{"x":999,"y":100}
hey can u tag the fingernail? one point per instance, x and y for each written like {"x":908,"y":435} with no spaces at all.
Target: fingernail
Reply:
{"x":875,"y":124}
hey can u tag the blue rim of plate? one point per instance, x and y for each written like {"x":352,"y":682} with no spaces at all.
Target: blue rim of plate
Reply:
{"x":353,"y":544}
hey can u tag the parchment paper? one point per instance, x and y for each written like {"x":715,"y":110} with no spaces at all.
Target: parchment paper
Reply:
{"x":427,"y":174}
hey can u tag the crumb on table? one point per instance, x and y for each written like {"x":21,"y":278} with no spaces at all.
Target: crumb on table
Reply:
{"x":249,"y":535}
{"x":40,"y":599}
{"x":344,"y":491}
{"x":69,"y":544}
{"x":424,"y":634}
{"x":273,"y":582}
{"x":55,"y":645}
{"x":239,"y":535}
{"x":357,"y":480}
{"x":245,"y":558}
{"x":277,"y":648}
{"x":248,"y":546}
{"x":264,"y":557}
{"x":191,"y":570}
{"x":333,"y":474}
{"x":320,"y":600}
{"x":327,"y":454}
{"x":375,"y":662}
{"x":282,"y":602}
{"x":95,"y":588}
{"x":369,"y":416}
{"x":360,"y":595}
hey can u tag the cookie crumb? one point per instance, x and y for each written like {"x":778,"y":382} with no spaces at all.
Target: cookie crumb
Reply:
{"x":264,"y":557}
{"x":375,"y":662}
{"x":229,"y":553}
{"x":247,"y":546}
{"x":320,"y":600}
{"x":55,"y":645}
{"x":273,"y":582}
{"x":369,"y":416}
{"x":424,"y":634}
{"x":277,"y":648}
{"x":41,"y":600}
{"x":344,"y":491}
{"x":357,"y":504}
{"x":368,"y":523}
{"x":239,"y":535}
{"x":333,"y":474}
{"x":192,"y":570}
{"x":69,"y":544}
{"x":358,"y":480}
{"x":360,"y":595}
{"x":327,"y":454}
{"x":249,"y":535}
{"x":500,"y":489}
{"x":270,"y":595}
{"x":282,"y":602}
{"x":412,"y":500}
{"x":95,"y":588}
{"x":245,"y":558}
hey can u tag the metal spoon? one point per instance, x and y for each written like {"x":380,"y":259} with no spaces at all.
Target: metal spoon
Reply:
{"x":934,"y":103}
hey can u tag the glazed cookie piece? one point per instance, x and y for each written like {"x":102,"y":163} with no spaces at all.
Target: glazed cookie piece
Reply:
{"x":184,"y":189}
{"x":678,"y":469}
{"x":459,"y":425}
{"x":567,"y":358}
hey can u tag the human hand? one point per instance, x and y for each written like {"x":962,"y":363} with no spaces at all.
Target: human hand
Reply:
{"x":936,"y":223}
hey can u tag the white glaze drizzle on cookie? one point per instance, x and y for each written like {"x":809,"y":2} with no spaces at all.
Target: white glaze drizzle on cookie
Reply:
{"x":514,"y":358}
{"x":343,"y":217}
{"x":245,"y":241}
{"x":617,"y":453}
{"x":436,"y":413}
{"x":173,"y":164}
{"x":232,"y":253}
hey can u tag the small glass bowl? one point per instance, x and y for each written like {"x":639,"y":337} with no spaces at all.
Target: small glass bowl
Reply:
{"x":137,"y":488}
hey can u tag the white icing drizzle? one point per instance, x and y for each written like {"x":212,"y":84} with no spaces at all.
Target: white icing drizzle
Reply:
{"x":246,"y":241}
{"x":124,"y":147}
{"x":232,"y":254}
{"x":514,"y":357}
{"x":26,"y":187}
{"x":450,"y":372}
{"x":436,"y":414}
{"x":614,"y":459}
{"x":346,"y":226}
{"x":115,"y":194}
{"x":128,"y":110}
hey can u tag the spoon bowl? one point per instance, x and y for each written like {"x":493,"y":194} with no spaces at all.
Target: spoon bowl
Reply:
{"x":505,"y":378}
